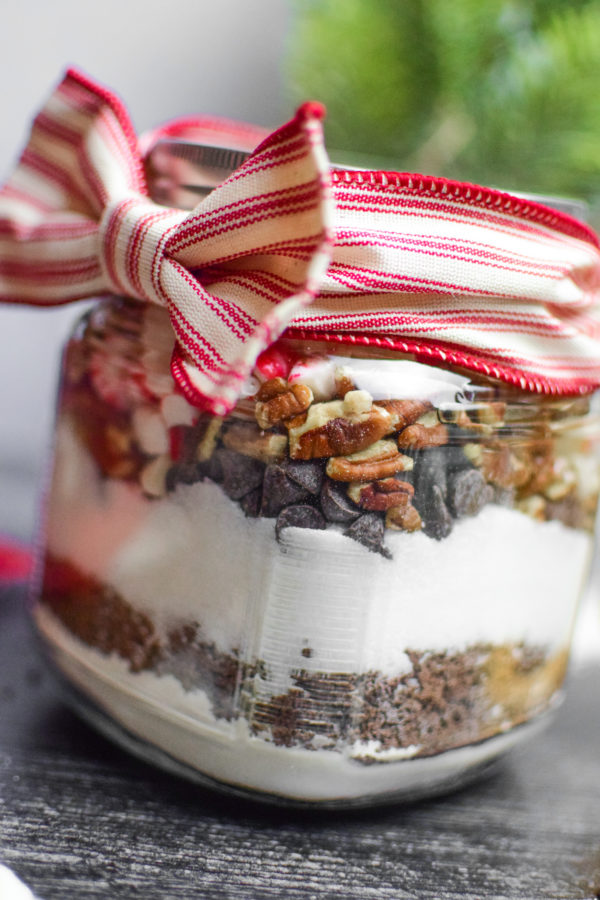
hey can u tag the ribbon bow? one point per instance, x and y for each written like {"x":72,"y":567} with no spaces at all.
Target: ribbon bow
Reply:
{"x":448,"y":272}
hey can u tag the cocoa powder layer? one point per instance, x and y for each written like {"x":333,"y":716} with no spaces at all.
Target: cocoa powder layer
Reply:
{"x":99,"y":617}
{"x":446,"y":699}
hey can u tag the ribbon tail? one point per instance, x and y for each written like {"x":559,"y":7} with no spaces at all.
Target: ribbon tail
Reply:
{"x":81,"y":152}
{"x":254,"y":254}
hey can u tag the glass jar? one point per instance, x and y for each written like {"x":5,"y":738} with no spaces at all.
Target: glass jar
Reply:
{"x":359,"y":586}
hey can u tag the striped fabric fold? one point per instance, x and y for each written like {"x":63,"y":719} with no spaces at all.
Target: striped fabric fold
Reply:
{"x":450,"y":273}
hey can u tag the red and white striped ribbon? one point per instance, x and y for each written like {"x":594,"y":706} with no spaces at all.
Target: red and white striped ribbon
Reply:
{"x":452,"y":273}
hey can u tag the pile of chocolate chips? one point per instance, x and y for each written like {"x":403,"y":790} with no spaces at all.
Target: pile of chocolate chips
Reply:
{"x":298,"y":493}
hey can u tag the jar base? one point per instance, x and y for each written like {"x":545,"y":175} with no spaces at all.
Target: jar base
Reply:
{"x":249,"y":767}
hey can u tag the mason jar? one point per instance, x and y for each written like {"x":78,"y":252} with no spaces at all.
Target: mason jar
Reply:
{"x":357,"y":587}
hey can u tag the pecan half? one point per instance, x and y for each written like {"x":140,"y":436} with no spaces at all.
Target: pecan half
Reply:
{"x":277,"y":400}
{"x":381,"y":495}
{"x":337,"y":428}
{"x":380,"y":460}
{"x":419,"y":436}
{"x":404,"y":412}
{"x":247,"y":438}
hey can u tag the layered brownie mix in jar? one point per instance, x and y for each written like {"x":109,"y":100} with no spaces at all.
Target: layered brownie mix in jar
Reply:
{"x":345,"y":570}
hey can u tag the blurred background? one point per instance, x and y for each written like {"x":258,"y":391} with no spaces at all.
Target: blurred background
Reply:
{"x":504,"y":93}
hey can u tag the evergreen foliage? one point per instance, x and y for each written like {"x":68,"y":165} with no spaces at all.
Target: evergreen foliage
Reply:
{"x":501,"y":92}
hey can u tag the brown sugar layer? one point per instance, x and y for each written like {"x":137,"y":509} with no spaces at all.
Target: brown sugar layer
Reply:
{"x":445,"y":700}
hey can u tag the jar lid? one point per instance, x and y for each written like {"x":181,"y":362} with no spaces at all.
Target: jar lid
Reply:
{"x":182,"y":172}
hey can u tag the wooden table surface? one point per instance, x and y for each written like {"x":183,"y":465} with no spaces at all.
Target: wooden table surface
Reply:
{"x":81,"y":819}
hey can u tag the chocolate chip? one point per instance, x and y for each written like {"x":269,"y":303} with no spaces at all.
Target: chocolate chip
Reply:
{"x":369,"y":530}
{"x":455,"y":458}
{"x":437,"y":521}
{"x":503,"y":496}
{"x":279,"y":491}
{"x":468,"y":493}
{"x":183,"y":473}
{"x":430,"y":470}
{"x":212,"y":467}
{"x":251,"y":503}
{"x":308,"y":474}
{"x":301,"y":516}
{"x":336,"y":505}
{"x":241,"y":474}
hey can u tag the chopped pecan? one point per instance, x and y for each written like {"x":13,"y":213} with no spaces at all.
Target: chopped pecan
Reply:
{"x":502,"y":467}
{"x":382,"y":494}
{"x":115,"y":451}
{"x":380,"y":460}
{"x":337,"y":428}
{"x":343,"y":383}
{"x":404,"y":412}
{"x":499,"y":465}
{"x":357,"y":402}
{"x":489,"y":413}
{"x":247,"y":438}
{"x":272,"y":388}
{"x":420,"y":436}
{"x":118,"y":440}
{"x":563,"y":482}
{"x":403,"y":518}
{"x":538,"y":457}
{"x":277,"y":400}
{"x":534,"y":506}
{"x":474,"y":453}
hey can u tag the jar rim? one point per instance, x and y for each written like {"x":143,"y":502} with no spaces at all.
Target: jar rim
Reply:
{"x":182,"y":171}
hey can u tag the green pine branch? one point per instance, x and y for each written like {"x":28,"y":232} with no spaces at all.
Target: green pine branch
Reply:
{"x":502,"y":93}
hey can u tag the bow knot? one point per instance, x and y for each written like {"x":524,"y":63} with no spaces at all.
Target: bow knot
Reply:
{"x":132,"y":233}
{"x":446,"y":272}
{"x":76,"y":221}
